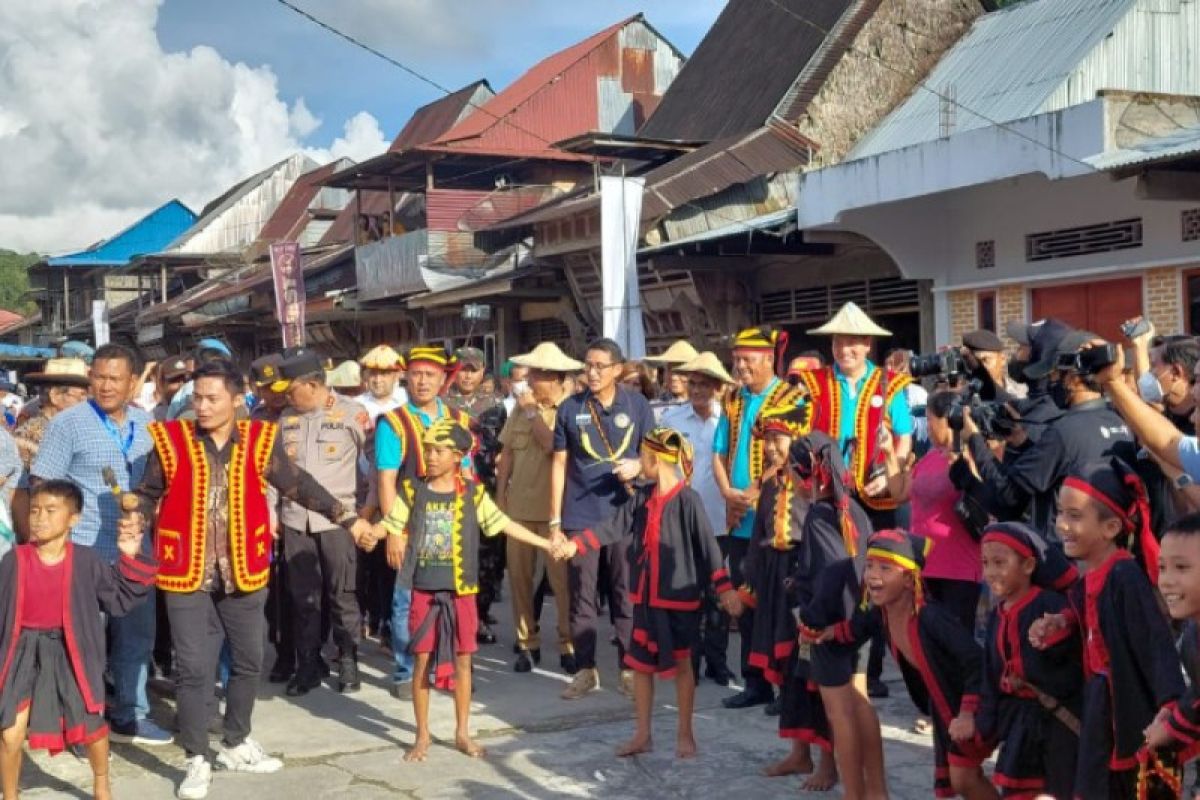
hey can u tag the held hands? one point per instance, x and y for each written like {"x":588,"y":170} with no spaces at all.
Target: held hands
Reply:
{"x":962,"y":727}
{"x":363,"y":533}
{"x":395,"y":550}
{"x":561,"y":548}
{"x":731,"y":604}
{"x":627,"y":470}
{"x":129,"y":542}
{"x":878,"y":486}
{"x":1045,"y":628}
{"x":130,"y":524}
{"x":1156,"y":732}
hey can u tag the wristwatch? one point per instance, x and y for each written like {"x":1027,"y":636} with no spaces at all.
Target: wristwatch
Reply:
{"x":1184,"y":481}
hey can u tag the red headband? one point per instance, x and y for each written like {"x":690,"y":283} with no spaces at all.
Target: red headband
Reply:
{"x":1009,"y":541}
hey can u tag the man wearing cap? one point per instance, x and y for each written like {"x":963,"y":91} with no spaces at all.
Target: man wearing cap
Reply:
{"x":487,"y":415}
{"x":61,"y":384}
{"x":697,"y":420}
{"x":986,"y":350}
{"x":738,"y":460}
{"x":399,"y":455}
{"x":675,"y":385}
{"x":597,"y":434}
{"x":1088,"y":430}
{"x":523,"y":492}
{"x":268,"y":388}
{"x":324,"y":434}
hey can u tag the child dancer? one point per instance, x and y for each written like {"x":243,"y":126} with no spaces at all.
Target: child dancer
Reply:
{"x":51,"y":596}
{"x":1178,"y":724}
{"x":440,"y":520}
{"x":1030,"y":698}
{"x":828,"y":576}
{"x":672,"y":552}
{"x":939,"y":660}
{"x":1131,"y":669}
{"x":778,"y":542}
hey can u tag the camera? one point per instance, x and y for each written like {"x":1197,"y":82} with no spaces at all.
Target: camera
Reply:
{"x":992,"y":418}
{"x":1132,"y":330}
{"x":948,"y":362}
{"x":1088,"y":361}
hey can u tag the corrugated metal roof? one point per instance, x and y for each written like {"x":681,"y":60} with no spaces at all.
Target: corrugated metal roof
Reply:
{"x":292,"y":215}
{"x":1183,"y":142}
{"x":432,"y":120}
{"x":1006,"y":68}
{"x":148,"y":235}
{"x":764,"y":222}
{"x":743,"y":67}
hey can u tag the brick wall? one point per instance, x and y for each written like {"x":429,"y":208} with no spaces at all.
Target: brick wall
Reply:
{"x":962,"y":314}
{"x":1162,"y":296}
{"x":1010,"y":307}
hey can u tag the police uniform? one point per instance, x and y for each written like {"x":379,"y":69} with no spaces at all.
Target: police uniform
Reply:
{"x":321,"y":558}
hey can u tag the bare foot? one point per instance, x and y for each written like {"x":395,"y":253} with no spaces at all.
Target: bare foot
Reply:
{"x":638,"y":744}
{"x":685,"y":746}
{"x":467,"y":746}
{"x":418,"y":751}
{"x":825,"y":778}
{"x":792,"y":765}
{"x":101,"y":789}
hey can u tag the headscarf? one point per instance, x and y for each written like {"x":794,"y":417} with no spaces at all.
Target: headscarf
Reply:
{"x":447,"y":432}
{"x":789,"y":415}
{"x":435,"y":355}
{"x":817,"y":460}
{"x":905,"y":550}
{"x":1114,"y":485}
{"x":766,"y":339}
{"x":671,"y":446}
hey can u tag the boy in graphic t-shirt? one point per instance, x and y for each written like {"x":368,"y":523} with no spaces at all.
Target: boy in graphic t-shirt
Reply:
{"x":440,"y":521}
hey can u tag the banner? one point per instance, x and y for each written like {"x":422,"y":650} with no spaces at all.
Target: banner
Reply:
{"x":100,"y":322}
{"x":289,"y":291}
{"x":620,"y":221}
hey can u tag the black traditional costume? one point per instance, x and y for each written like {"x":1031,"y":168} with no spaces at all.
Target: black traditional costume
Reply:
{"x":671,"y":554}
{"x":58,"y":673}
{"x":1030,"y":697}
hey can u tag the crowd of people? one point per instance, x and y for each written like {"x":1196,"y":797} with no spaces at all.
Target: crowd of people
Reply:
{"x":1019,"y":530}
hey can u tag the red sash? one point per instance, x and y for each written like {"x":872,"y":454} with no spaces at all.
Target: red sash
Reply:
{"x":869,"y":414}
{"x":179,"y":540}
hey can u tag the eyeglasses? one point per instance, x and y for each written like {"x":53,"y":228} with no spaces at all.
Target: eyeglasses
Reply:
{"x":593,"y":367}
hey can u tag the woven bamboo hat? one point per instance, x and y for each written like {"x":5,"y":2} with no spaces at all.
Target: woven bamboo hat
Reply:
{"x":850,"y":320}
{"x":680,"y":352}
{"x":708,"y":365}
{"x":546,"y":356}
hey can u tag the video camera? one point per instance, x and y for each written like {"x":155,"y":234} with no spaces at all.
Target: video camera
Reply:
{"x":1088,"y":361}
{"x":949,"y":363}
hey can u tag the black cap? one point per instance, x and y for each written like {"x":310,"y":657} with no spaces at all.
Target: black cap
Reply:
{"x":1019,"y":332}
{"x":1045,"y":338}
{"x":983,"y":341}
{"x":265,"y":370}
{"x":175,"y":368}
{"x":300,"y":361}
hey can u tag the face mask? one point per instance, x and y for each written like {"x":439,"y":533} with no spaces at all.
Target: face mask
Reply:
{"x":1016,"y":370}
{"x":1149,"y":388}
{"x":1058,"y":393}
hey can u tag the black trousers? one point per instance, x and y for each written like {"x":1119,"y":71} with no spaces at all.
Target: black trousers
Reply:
{"x":322,"y":574}
{"x":584,"y":571}
{"x":279,"y":613}
{"x":200,"y":623}
{"x":713,"y":643}
{"x":736,"y":550}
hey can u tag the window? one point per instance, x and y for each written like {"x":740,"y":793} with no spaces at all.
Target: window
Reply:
{"x":986,"y":311}
{"x":1191,"y":288}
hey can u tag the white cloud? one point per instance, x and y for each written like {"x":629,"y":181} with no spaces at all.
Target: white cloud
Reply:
{"x":99,"y":125}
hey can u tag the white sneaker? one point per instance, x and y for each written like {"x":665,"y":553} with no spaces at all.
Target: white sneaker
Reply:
{"x":248,"y":757}
{"x":195,"y":784}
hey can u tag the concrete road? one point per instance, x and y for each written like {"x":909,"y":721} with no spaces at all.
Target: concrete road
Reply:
{"x":539,"y":746}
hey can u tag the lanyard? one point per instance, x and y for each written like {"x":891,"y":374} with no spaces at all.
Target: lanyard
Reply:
{"x":613,"y":455}
{"x":114,"y":431}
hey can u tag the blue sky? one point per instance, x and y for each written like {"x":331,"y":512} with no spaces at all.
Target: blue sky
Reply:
{"x":452,"y":41}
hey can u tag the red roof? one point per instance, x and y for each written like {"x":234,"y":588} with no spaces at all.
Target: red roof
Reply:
{"x":554,"y":100}
{"x":432,"y":120}
{"x":289,"y":219}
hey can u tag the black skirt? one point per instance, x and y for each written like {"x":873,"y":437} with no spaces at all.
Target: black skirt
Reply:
{"x":661,"y":639}
{"x":41,"y":679}
{"x":773,"y":638}
{"x":1038,"y":752}
{"x":801,"y":710}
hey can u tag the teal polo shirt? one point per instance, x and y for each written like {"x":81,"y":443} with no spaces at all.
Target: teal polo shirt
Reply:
{"x":739,"y":477}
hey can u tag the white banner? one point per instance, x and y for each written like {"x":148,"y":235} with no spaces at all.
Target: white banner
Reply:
{"x":100,"y":322}
{"x":620,"y":221}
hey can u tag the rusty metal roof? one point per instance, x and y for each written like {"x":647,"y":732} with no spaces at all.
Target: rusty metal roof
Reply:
{"x":743,"y":67}
{"x":292,"y":215}
{"x":432,"y":120}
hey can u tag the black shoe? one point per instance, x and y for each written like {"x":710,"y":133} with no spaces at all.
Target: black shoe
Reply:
{"x":304,"y":681}
{"x":348,"y":682}
{"x":746,"y":699}
{"x":566,"y":662}
{"x":523,"y":662}
{"x":877,"y":689}
{"x":719,"y":675}
{"x":485,"y":635}
{"x":773,"y":708}
{"x":322,"y":667}
{"x":282,"y":671}
{"x":488,"y":619}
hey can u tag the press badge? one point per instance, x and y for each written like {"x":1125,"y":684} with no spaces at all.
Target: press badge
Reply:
{"x":582,"y":420}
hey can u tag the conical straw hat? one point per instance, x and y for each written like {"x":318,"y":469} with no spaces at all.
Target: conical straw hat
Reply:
{"x":681,"y":352}
{"x":850,"y":320}
{"x":706,"y":364}
{"x":547,"y":356}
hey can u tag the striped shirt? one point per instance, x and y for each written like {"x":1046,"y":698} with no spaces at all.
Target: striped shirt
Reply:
{"x":79,"y":443}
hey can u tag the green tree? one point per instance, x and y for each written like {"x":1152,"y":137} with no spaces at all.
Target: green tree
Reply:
{"x":14,"y":280}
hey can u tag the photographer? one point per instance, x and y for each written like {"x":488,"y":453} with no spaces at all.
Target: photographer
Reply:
{"x":984,"y":354}
{"x":1088,"y":430}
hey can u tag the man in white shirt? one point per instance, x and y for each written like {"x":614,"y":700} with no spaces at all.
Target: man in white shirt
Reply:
{"x":697,"y":420}
{"x":381,"y":373}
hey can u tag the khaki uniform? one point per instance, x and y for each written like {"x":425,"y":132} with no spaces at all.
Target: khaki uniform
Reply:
{"x":528,"y":502}
{"x":321,"y":558}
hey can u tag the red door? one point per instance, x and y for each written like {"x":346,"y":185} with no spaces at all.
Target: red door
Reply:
{"x":1099,"y":307}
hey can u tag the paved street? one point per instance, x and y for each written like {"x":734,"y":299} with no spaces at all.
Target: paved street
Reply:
{"x":538,"y":745}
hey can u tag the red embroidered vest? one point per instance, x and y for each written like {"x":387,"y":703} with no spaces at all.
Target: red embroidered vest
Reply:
{"x":870,"y":413}
{"x":734,"y":408}
{"x":179,"y":541}
{"x":410,"y":430}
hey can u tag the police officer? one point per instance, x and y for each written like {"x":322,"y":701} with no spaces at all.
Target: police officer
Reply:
{"x":1087,"y":430}
{"x":324,"y":433}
